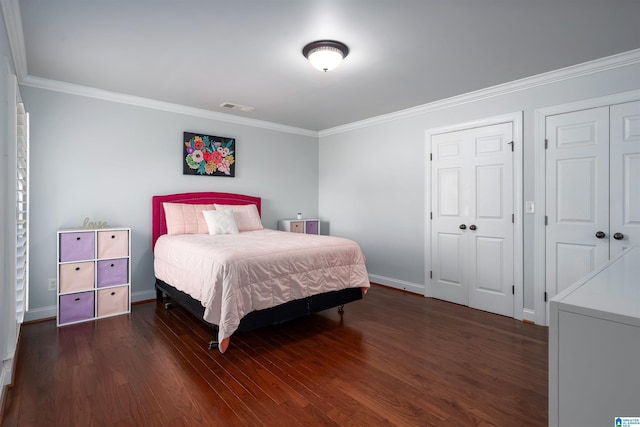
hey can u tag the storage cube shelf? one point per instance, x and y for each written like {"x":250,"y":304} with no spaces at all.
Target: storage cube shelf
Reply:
{"x":94,"y":274}
{"x":307,"y":226}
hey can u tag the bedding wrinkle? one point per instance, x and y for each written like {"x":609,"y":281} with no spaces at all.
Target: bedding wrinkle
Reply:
{"x":235,"y":274}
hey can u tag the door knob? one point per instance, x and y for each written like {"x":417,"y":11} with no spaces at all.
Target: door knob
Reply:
{"x":600,"y":234}
{"x":618,"y":236}
{"x":462,"y":227}
{"x":472,"y":227}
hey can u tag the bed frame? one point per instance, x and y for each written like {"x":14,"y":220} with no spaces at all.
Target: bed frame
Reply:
{"x":256,"y":319}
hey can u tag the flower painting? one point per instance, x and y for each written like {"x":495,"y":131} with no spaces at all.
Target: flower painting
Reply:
{"x":208,"y":155}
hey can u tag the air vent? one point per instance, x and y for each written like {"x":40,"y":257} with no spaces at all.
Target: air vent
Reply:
{"x":237,"y":107}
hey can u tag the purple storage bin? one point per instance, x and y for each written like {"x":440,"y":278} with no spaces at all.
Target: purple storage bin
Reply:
{"x":311,"y":227}
{"x":76,"y":307}
{"x":77,"y":246}
{"x":113,"y":272}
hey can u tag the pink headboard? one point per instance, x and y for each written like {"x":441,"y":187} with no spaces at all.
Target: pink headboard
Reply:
{"x":159,"y":226}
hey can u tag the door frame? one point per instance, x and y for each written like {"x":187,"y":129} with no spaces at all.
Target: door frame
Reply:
{"x":516,"y":119}
{"x":541,"y":315}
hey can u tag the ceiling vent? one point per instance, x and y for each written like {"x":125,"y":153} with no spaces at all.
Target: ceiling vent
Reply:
{"x":237,"y":107}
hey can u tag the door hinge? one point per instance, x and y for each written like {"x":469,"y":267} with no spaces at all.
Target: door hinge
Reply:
{"x":546,"y":220}
{"x":545,"y":297}
{"x":513,"y":289}
{"x":431,"y":156}
{"x":546,"y":144}
{"x":430,"y":215}
{"x":512,"y":144}
{"x":431,"y":274}
{"x":513,"y":219}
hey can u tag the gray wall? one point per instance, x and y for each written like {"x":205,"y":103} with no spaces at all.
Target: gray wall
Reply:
{"x":372,"y":177}
{"x":105,"y":160}
{"x":366,"y":181}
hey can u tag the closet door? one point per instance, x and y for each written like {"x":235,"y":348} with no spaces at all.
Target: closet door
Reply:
{"x":472,"y":229}
{"x":451,"y":173}
{"x":577,"y":195}
{"x":491,"y":225}
{"x":625,"y":177}
{"x":592,"y":190}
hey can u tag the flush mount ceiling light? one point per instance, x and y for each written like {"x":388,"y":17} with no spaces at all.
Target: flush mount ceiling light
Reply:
{"x":325,"y":55}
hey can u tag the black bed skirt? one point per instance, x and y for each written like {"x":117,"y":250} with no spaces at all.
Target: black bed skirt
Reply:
{"x":270,"y":316}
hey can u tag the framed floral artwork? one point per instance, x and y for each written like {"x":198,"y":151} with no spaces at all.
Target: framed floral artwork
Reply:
{"x":208,"y":155}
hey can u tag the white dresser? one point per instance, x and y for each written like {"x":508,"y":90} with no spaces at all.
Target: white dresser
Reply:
{"x":594,"y":346}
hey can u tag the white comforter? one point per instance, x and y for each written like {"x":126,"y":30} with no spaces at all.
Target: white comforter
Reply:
{"x":235,"y":274}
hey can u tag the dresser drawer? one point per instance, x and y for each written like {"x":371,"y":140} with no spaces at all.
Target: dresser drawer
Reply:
{"x":76,"y":307}
{"x":77,"y":246}
{"x":76,"y":276}
{"x":312,"y":227}
{"x":113,"y":301}
{"x":112,"y":272}
{"x":113,"y":244}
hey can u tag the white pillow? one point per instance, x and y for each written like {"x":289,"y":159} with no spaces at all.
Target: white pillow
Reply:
{"x":247,"y":216}
{"x":220,"y":222}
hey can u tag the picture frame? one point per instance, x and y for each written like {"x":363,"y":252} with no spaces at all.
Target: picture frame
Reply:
{"x":208,"y":155}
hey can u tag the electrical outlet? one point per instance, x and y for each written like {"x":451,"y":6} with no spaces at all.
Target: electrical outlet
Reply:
{"x":52,"y":284}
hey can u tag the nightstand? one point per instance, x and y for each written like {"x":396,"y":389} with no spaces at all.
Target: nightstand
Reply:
{"x":306,"y":226}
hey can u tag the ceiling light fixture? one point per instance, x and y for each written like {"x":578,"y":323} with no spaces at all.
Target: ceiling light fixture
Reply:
{"x":325,"y":55}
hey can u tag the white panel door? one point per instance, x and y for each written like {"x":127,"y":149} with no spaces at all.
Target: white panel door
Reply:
{"x":625,"y":176}
{"x":593,"y":190}
{"x":472,"y":229}
{"x":450,"y":178}
{"x":491,"y":223}
{"x":577,"y":196}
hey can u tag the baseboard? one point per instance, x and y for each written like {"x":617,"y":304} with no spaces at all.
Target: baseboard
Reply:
{"x":529,"y":315}
{"x":3,"y":400}
{"x":398,"y":284}
{"x":143,"y":296}
{"x":7,"y":377}
{"x":5,"y":374}
{"x":40,"y":313}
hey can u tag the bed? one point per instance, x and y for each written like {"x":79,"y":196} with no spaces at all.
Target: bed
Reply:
{"x":247,"y":277}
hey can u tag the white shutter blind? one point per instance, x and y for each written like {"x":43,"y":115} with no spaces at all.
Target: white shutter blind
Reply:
{"x":22,"y":213}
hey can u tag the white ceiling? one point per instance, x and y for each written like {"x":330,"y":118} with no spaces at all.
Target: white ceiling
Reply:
{"x":403,"y":53}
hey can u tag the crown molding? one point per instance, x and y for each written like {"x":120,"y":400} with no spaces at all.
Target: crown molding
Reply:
{"x":138,"y":101}
{"x":586,"y":68}
{"x":13,"y":24}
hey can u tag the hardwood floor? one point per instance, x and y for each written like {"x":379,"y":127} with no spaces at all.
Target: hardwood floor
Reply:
{"x":392,"y":359}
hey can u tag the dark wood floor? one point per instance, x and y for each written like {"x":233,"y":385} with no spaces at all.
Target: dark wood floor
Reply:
{"x":392,"y":359}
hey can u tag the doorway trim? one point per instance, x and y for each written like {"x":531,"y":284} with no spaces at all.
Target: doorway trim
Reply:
{"x":539,"y":268}
{"x":516,"y":119}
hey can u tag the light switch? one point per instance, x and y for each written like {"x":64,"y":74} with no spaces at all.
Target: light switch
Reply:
{"x":529,"y":207}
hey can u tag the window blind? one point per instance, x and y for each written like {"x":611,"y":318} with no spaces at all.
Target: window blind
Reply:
{"x":22,"y":213}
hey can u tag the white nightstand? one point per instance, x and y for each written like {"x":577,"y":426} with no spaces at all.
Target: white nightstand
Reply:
{"x":307,"y":226}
